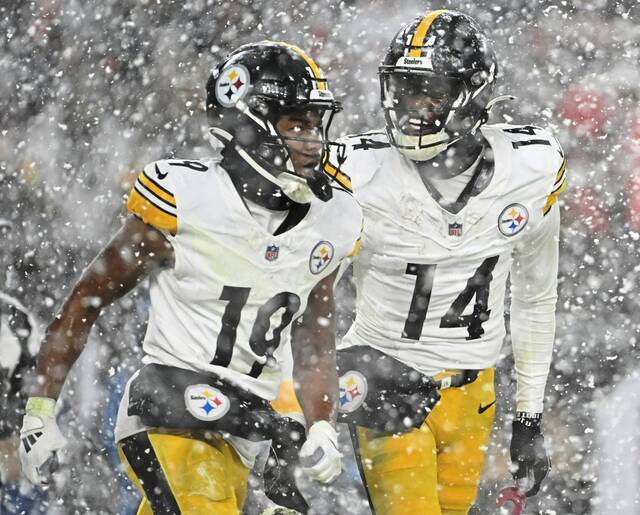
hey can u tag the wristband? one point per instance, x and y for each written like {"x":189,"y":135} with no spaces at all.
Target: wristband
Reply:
{"x":41,"y":406}
{"x":532,"y":420}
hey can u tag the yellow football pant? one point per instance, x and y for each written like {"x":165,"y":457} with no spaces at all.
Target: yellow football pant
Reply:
{"x":185,"y":473}
{"x":433,"y":470}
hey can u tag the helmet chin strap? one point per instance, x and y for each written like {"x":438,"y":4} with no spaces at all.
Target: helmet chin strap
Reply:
{"x":292,"y":185}
{"x":422,"y":148}
{"x":429,"y":146}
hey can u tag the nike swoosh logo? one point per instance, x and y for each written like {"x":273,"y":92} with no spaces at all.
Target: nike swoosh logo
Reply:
{"x":482,"y":409}
{"x":160,"y":174}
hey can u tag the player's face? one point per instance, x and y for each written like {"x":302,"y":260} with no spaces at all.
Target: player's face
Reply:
{"x":420,"y":101}
{"x":302,"y":133}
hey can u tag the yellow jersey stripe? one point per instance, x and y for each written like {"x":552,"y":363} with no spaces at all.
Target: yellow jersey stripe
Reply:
{"x":356,"y":247}
{"x":561,"y":171}
{"x":559,"y":181}
{"x":314,"y":67}
{"x":559,"y":185}
{"x":553,"y":197}
{"x":156,"y":189}
{"x":151,"y":214}
{"x":421,"y":31}
{"x":337,"y":175}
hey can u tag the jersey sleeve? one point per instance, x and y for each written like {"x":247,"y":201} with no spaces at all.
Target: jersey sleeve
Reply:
{"x":152,"y":199}
{"x":548,"y":161}
{"x":534,"y":281}
{"x":559,"y":182}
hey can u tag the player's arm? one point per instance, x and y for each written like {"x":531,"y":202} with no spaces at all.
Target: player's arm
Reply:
{"x":314,"y":356}
{"x":135,"y":250}
{"x":316,"y":381}
{"x":534,"y":280}
{"x":534,"y":283}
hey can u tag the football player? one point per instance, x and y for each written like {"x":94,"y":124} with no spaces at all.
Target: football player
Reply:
{"x":453,"y":207}
{"x":241,"y":250}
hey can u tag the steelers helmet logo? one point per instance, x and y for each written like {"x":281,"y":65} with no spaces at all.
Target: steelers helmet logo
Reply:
{"x":353,"y":390}
{"x":513,"y":219}
{"x":232,"y":85}
{"x":321,"y":256}
{"x":205,"y":402}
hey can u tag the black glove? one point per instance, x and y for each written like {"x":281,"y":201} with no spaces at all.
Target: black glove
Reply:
{"x":530,"y":463}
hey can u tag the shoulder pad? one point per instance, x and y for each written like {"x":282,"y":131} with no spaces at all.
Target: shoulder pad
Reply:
{"x":355,"y":156}
{"x":351,"y":217}
{"x":526,"y":137}
{"x":372,"y":140}
{"x":540,"y":150}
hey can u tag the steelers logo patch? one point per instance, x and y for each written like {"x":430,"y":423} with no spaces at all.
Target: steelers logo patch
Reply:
{"x":353,"y":390}
{"x":321,"y":256}
{"x":513,"y":219}
{"x":205,"y":402}
{"x":232,"y":85}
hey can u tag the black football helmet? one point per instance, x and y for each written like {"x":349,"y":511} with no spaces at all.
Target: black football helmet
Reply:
{"x":436,"y":81}
{"x":246,"y":95}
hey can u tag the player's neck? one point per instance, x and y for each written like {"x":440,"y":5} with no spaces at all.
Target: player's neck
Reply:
{"x":458,"y":158}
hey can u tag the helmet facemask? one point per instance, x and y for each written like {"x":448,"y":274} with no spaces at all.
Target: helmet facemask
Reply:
{"x":418,"y":107}
{"x":308,"y":179}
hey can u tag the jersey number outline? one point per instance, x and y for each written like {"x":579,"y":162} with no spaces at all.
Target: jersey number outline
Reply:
{"x":192,"y":165}
{"x":478,"y":285}
{"x":529,"y":130}
{"x":237,"y":298}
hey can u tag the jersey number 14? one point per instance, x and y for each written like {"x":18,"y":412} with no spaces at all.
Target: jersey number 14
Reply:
{"x":477,"y":285}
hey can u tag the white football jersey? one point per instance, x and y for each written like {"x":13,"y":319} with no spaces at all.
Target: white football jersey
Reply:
{"x":431,"y":284}
{"x":228,"y":303}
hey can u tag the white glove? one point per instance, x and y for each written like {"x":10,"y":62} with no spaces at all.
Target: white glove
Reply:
{"x":319,"y":456}
{"x":40,"y":441}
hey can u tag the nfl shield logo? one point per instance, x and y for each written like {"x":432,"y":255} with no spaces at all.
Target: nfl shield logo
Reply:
{"x":272,"y":252}
{"x":455,"y":229}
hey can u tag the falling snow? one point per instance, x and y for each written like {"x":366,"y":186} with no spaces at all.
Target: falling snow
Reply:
{"x":92,"y":90}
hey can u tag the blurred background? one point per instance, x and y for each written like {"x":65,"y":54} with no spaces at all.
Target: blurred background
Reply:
{"x":91,"y":91}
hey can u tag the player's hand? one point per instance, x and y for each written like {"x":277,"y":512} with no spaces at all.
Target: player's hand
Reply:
{"x":529,"y":461}
{"x":40,"y":441}
{"x":319,"y":455}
